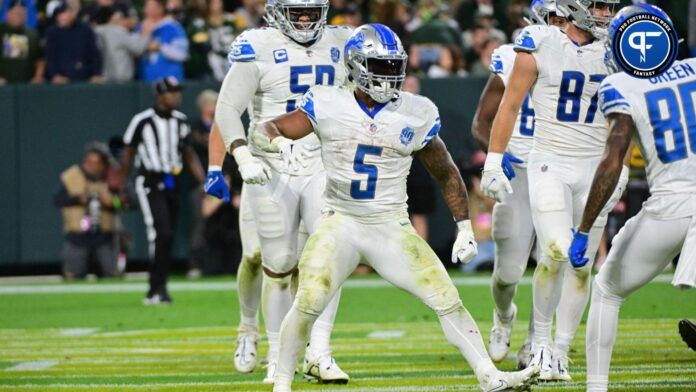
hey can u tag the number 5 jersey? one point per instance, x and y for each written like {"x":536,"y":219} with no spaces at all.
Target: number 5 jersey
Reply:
{"x":367,"y":152}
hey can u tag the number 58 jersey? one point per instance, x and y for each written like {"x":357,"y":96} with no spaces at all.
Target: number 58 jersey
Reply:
{"x":286,"y":70}
{"x":664,"y":111}
{"x":367,"y":153}
{"x":564,"y":96}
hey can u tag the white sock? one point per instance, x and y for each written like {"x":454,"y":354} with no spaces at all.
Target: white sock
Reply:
{"x":546,"y":288}
{"x":502,"y":296}
{"x":273,"y":345}
{"x":319,"y":341}
{"x":276,"y":301}
{"x":602,"y":325}
{"x":249,"y":280}
{"x":293,"y":336}
{"x":462,"y":332}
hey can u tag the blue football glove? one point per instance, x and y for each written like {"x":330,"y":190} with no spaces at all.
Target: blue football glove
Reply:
{"x":508,"y":169}
{"x":215,"y":185}
{"x":576,"y":252}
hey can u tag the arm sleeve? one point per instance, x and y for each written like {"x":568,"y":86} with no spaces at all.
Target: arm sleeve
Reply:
{"x":136,"y":43}
{"x":237,"y":91}
{"x":307,"y":105}
{"x":63,"y":199}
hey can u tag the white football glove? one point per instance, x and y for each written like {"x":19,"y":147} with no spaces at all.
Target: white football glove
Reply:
{"x":618,"y":192}
{"x":293,"y":155}
{"x":252,"y":169}
{"x":494,"y":181}
{"x":465,"y":248}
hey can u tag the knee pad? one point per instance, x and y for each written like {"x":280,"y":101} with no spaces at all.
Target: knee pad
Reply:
{"x":254,"y":259}
{"x":446,"y":301}
{"x":505,"y":224}
{"x":280,"y":264}
{"x":556,"y":249}
{"x":270,"y":220}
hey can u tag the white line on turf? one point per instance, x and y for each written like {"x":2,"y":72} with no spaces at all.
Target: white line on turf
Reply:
{"x":226,"y":286}
{"x":389,"y":334}
{"x":78,"y":331}
{"x":32,"y":365}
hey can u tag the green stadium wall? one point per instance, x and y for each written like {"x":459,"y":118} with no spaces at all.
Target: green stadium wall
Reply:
{"x":44,"y":128}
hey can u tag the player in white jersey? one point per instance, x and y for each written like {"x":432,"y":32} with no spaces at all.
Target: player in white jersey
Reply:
{"x":659,"y":113}
{"x":368,"y":135}
{"x":271,"y":69}
{"x":562,"y":69}
{"x":513,"y":230}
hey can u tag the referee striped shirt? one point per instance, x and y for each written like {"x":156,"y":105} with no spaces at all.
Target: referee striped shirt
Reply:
{"x":158,"y":139}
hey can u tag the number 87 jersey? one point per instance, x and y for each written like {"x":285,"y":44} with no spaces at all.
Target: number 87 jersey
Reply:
{"x":564,"y":96}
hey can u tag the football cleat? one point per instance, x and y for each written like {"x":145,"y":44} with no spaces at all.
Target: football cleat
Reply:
{"x":499,"y":343}
{"x":270,"y":372}
{"x":560,"y":369}
{"x":159,"y":297}
{"x":245,"y":353}
{"x":543,"y":360}
{"x":687,"y":330}
{"x":325,"y":370}
{"x":513,"y":381}
{"x":524,"y":356}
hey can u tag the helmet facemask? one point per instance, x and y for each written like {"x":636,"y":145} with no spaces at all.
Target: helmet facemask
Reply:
{"x":584,"y":15}
{"x":381,"y":78}
{"x":303,"y":23}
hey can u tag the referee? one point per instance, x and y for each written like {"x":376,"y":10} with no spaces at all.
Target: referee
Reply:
{"x":158,"y":140}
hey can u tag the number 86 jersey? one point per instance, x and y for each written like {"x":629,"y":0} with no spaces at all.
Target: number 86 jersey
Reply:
{"x":367,"y":152}
{"x":564,"y":96}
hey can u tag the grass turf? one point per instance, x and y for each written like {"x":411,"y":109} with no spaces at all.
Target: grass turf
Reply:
{"x":99,"y":337}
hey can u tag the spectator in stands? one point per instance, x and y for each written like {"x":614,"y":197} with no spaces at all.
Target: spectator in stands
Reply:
{"x":481,"y":67}
{"x":449,"y":64}
{"x":251,"y":13}
{"x":200,"y":132}
{"x":32,"y":14}
{"x":72,"y":54}
{"x":395,"y":14}
{"x":119,"y":47}
{"x":20,"y":58}
{"x":88,"y":208}
{"x":90,"y":11}
{"x":210,"y":36}
{"x":431,"y":38}
{"x":168,"y":48}
{"x":348,"y":15}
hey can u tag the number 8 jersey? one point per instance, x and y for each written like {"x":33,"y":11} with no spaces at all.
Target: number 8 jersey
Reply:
{"x":286,"y":70}
{"x":664,"y":111}
{"x":367,"y":153}
{"x":564,"y":96}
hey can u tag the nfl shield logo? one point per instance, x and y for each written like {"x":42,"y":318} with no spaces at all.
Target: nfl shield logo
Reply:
{"x":335,"y":54}
{"x":406,"y":136}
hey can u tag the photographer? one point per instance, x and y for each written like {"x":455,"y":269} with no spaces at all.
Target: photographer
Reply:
{"x":88,"y":209}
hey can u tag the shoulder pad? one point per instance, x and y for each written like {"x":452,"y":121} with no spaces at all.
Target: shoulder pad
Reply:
{"x":531,"y":38}
{"x":501,"y":58}
{"x":242,"y":49}
{"x":340,"y":33}
{"x":610,"y":99}
{"x":430,"y":115}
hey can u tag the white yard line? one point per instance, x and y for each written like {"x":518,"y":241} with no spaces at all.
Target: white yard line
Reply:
{"x":386,"y":334}
{"x":32,"y":365}
{"x":78,"y":331}
{"x":226,"y":286}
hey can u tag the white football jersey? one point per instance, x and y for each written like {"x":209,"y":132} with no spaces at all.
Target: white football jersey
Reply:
{"x":564,"y":96}
{"x":664,"y":111}
{"x":522,"y":135}
{"x":286,"y":71}
{"x":367,"y":156}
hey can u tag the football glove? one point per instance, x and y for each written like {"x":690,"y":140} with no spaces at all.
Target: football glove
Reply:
{"x":215,"y":184}
{"x":252,"y":170}
{"x":576,"y":252}
{"x":494,"y":181}
{"x":506,"y":164}
{"x":465,"y":248}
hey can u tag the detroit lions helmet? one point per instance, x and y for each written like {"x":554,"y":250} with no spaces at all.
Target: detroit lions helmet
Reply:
{"x":376,"y":61}
{"x":540,"y":10}
{"x":302,"y":21}
{"x":580,"y":14}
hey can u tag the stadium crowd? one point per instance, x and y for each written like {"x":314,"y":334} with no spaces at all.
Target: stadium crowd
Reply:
{"x":62,"y":41}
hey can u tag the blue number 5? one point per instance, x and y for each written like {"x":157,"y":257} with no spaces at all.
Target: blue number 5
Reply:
{"x":356,"y":190}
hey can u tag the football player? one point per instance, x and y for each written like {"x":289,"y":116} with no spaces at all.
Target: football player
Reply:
{"x":650,"y":112}
{"x":562,"y":69}
{"x":369,"y":133}
{"x":513,"y":230}
{"x":271,"y":69}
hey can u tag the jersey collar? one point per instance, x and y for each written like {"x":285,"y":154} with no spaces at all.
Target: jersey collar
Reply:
{"x":371,"y":113}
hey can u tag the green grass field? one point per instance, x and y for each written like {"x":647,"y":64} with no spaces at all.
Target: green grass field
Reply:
{"x":98,"y":337}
